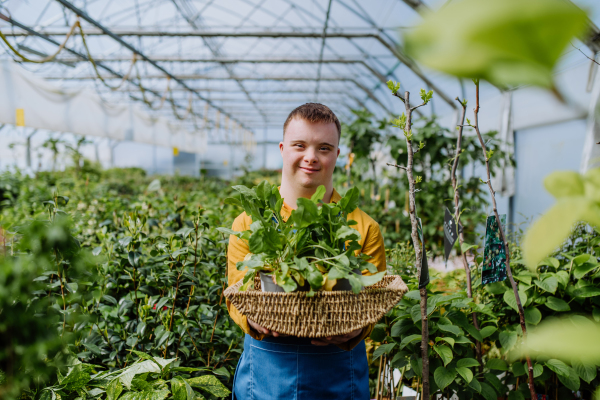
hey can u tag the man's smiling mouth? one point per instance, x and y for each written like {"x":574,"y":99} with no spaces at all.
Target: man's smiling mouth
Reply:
{"x":310,"y":170}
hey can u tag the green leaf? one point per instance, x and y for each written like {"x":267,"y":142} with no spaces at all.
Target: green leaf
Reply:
{"x":558,"y":366}
{"x":538,"y":369}
{"x":210,"y":384}
{"x":455,"y":330}
{"x":473,"y":332}
{"x":552,"y":228}
{"x":466,"y":374}
{"x":550,"y":284}
{"x":114,"y":389}
{"x":129,"y":373}
{"x":401,"y":327}
{"x":564,"y":184}
{"x":368,"y":280}
{"x":507,"y":339}
{"x":497,"y":364}
{"x":467,"y":362}
{"x":347,"y":233}
{"x":571,"y":380}
{"x":485,"y":32}
{"x":181,"y":389}
{"x":586,"y":372}
{"x":533,"y":316}
{"x":78,"y":377}
{"x":475,"y":385}
{"x":509,"y":298}
{"x":417,"y":365}
{"x":487,"y":331}
{"x":563,"y":278}
{"x":488,"y":392}
{"x":580,"y":270}
{"x":550,"y":261}
{"x":556,"y":304}
{"x":318,"y":195}
{"x":577,"y":335}
{"x":414,"y":295}
{"x":587,"y":291}
{"x":448,"y":340}
{"x":466,"y":247}
{"x":233,"y":201}
{"x":445,"y":353}
{"x":349,"y":202}
{"x":444,"y":376}
{"x":305,"y":214}
{"x":596,"y":314}
{"x":154,"y":186}
{"x":383,"y":349}
{"x":516,"y":395}
{"x":518,"y":369}
{"x":409,"y":339}
{"x":463,"y":340}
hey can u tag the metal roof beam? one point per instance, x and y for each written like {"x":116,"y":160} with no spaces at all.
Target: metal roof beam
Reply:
{"x":116,"y":37}
{"x":281,"y":35}
{"x":245,"y":78}
{"x":376,"y":73}
{"x":82,"y":56}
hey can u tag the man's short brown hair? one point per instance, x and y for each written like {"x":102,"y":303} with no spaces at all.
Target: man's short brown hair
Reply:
{"x":314,"y":113}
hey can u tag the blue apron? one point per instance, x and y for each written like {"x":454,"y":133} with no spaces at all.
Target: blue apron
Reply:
{"x":293,"y":369}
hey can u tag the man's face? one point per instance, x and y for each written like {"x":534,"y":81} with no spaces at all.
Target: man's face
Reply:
{"x":309,"y":152}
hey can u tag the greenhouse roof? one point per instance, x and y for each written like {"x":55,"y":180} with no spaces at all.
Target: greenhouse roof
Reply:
{"x":233,"y":63}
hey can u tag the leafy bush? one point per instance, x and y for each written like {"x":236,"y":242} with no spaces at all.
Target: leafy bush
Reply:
{"x":563,"y":284}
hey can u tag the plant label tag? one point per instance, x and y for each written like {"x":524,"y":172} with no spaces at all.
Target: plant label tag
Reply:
{"x":450,"y":234}
{"x":424,"y":277}
{"x":494,"y":252}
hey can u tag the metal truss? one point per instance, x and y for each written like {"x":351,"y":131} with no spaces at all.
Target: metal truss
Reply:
{"x":247,"y":60}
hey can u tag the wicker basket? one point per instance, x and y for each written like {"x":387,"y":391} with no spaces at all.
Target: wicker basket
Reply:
{"x":324,"y":314}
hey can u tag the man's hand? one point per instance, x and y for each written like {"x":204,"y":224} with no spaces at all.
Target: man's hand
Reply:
{"x":336,"y":339}
{"x":263,"y":330}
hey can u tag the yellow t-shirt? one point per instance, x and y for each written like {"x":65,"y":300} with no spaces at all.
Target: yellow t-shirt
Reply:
{"x":370,"y":240}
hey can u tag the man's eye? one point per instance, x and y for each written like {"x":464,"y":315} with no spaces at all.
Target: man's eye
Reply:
{"x":325,"y":148}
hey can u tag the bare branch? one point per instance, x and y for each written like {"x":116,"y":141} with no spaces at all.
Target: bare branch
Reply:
{"x":397,"y":166}
{"x":400,"y":97}
{"x":415,"y":107}
{"x":586,"y":56}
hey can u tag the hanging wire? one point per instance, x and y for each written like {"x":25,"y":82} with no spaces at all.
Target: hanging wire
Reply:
{"x":89,"y":55}
{"x":188,"y":110}
{"x":48,"y":58}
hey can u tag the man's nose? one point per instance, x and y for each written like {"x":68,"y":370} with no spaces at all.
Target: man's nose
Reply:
{"x":310,"y":156}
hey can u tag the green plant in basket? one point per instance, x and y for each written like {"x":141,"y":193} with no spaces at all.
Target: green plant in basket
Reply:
{"x":315,"y":245}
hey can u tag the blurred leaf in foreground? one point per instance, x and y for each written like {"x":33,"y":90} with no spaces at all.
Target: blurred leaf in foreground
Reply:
{"x":508,"y":42}
{"x":578,"y":199}
{"x":573,"y":339}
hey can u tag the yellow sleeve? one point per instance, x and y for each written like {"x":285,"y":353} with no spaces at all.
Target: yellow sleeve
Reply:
{"x":236,"y":252}
{"x":372,"y":246}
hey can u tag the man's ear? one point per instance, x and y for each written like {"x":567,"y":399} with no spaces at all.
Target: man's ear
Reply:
{"x":338,"y":152}
{"x":281,"y":148}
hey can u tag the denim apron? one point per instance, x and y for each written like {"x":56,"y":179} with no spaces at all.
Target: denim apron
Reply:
{"x":293,"y":369}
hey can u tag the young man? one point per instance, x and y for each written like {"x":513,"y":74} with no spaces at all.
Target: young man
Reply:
{"x":275,"y":366}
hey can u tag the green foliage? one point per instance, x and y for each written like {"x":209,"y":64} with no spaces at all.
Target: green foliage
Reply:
{"x":146,"y":378}
{"x":493,"y":40}
{"x":431,"y":163}
{"x":393,"y":86}
{"x":565,"y":351}
{"x":141,"y":271}
{"x":316,"y":244}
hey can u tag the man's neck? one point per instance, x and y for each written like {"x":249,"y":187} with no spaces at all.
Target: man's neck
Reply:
{"x":291,"y":193}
